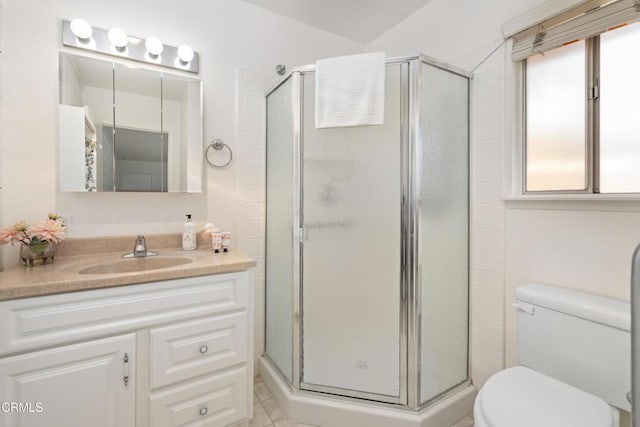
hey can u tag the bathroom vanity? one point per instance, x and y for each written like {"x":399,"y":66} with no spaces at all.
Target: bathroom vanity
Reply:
{"x":172,"y":351}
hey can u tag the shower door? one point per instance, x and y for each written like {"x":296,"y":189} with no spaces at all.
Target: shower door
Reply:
{"x":351,"y":250}
{"x":443,"y":198}
{"x":280,"y":213}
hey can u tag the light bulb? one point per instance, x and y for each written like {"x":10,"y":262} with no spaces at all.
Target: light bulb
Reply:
{"x":185,"y":53}
{"x":81,"y":29}
{"x":154,"y":46}
{"x":118,"y":38}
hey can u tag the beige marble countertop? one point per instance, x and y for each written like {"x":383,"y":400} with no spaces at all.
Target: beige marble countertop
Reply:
{"x":64,"y":274}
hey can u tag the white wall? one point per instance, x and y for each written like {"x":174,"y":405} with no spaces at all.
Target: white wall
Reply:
{"x":228,"y":34}
{"x":250,"y":187}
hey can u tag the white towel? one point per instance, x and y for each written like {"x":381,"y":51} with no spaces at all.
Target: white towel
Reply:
{"x":350,"y":90}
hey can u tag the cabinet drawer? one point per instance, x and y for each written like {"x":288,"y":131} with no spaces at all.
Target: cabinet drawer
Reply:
{"x":55,"y":319}
{"x":213,"y":401}
{"x":188,"y":349}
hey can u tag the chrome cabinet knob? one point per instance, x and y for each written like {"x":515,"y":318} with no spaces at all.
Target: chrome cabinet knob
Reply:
{"x":204,"y":349}
{"x":203,"y":411}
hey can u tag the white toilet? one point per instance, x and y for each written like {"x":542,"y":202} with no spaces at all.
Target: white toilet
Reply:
{"x":574,"y":351}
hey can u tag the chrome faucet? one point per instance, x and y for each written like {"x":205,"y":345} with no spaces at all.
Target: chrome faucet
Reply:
{"x":140,"y":249}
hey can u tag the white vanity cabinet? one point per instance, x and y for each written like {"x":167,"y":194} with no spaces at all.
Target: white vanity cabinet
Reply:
{"x":160,"y":354}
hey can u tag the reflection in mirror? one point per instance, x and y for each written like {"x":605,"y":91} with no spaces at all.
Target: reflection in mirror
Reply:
{"x":141,"y":160}
{"x":125,"y":128}
{"x":84,"y":159}
{"x":138,"y":142}
{"x":182,"y":121}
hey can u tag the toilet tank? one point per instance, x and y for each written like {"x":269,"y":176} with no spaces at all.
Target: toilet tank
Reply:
{"x":581,"y":339}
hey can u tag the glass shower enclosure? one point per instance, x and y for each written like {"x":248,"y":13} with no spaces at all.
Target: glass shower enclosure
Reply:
{"x":367,"y":241}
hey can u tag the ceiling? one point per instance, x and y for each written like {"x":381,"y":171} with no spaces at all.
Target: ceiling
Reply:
{"x":359,"y":20}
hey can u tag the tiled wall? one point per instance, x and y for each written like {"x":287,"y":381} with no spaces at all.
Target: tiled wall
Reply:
{"x":487,"y":219}
{"x":250,"y":182}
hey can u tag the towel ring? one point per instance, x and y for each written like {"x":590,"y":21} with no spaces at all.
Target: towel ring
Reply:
{"x":218,"y":145}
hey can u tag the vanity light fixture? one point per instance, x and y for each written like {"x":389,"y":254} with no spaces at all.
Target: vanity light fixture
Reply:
{"x":81,"y":29}
{"x":118,"y":39}
{"x":154,"y":47}
{"x":116,"y":42}
{"x":185,"y":54}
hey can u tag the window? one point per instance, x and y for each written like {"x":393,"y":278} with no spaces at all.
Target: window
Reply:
{"x":582,"y":103}
{"x":619,"y":122}
{"x":555,"y":125}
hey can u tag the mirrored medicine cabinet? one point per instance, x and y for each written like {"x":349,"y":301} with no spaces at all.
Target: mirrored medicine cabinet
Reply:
{"x":125,"y":128}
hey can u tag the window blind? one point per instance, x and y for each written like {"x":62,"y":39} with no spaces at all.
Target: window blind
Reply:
{"x":587,"y":20}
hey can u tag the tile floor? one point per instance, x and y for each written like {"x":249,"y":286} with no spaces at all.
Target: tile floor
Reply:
{"x":465,"y":422}
{"x":267,"y":413}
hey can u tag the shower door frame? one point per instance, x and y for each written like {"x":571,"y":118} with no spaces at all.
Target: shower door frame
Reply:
{"x":412,"y":145}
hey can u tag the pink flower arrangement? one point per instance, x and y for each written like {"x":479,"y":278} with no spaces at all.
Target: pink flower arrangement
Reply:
{"x":48,"y":230}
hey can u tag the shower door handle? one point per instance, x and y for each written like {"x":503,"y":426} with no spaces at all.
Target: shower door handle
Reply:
{"x":303,"y":234}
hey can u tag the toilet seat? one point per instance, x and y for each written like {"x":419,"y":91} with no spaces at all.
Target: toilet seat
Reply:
{"x":522,"y":397}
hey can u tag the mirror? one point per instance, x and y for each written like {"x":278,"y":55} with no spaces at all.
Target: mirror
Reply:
{"x":126,"y":128}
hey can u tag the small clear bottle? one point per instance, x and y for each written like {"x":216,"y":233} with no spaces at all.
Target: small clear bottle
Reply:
{"x":189,"y":235}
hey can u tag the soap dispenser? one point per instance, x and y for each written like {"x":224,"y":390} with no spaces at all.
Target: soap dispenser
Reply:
{"x":189,"y":235}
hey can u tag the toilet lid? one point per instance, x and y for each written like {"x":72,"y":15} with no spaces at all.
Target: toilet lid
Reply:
{"x":522,"y":397}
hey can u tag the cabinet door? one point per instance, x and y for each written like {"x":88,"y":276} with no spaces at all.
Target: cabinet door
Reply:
{"x":75,"y":385}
